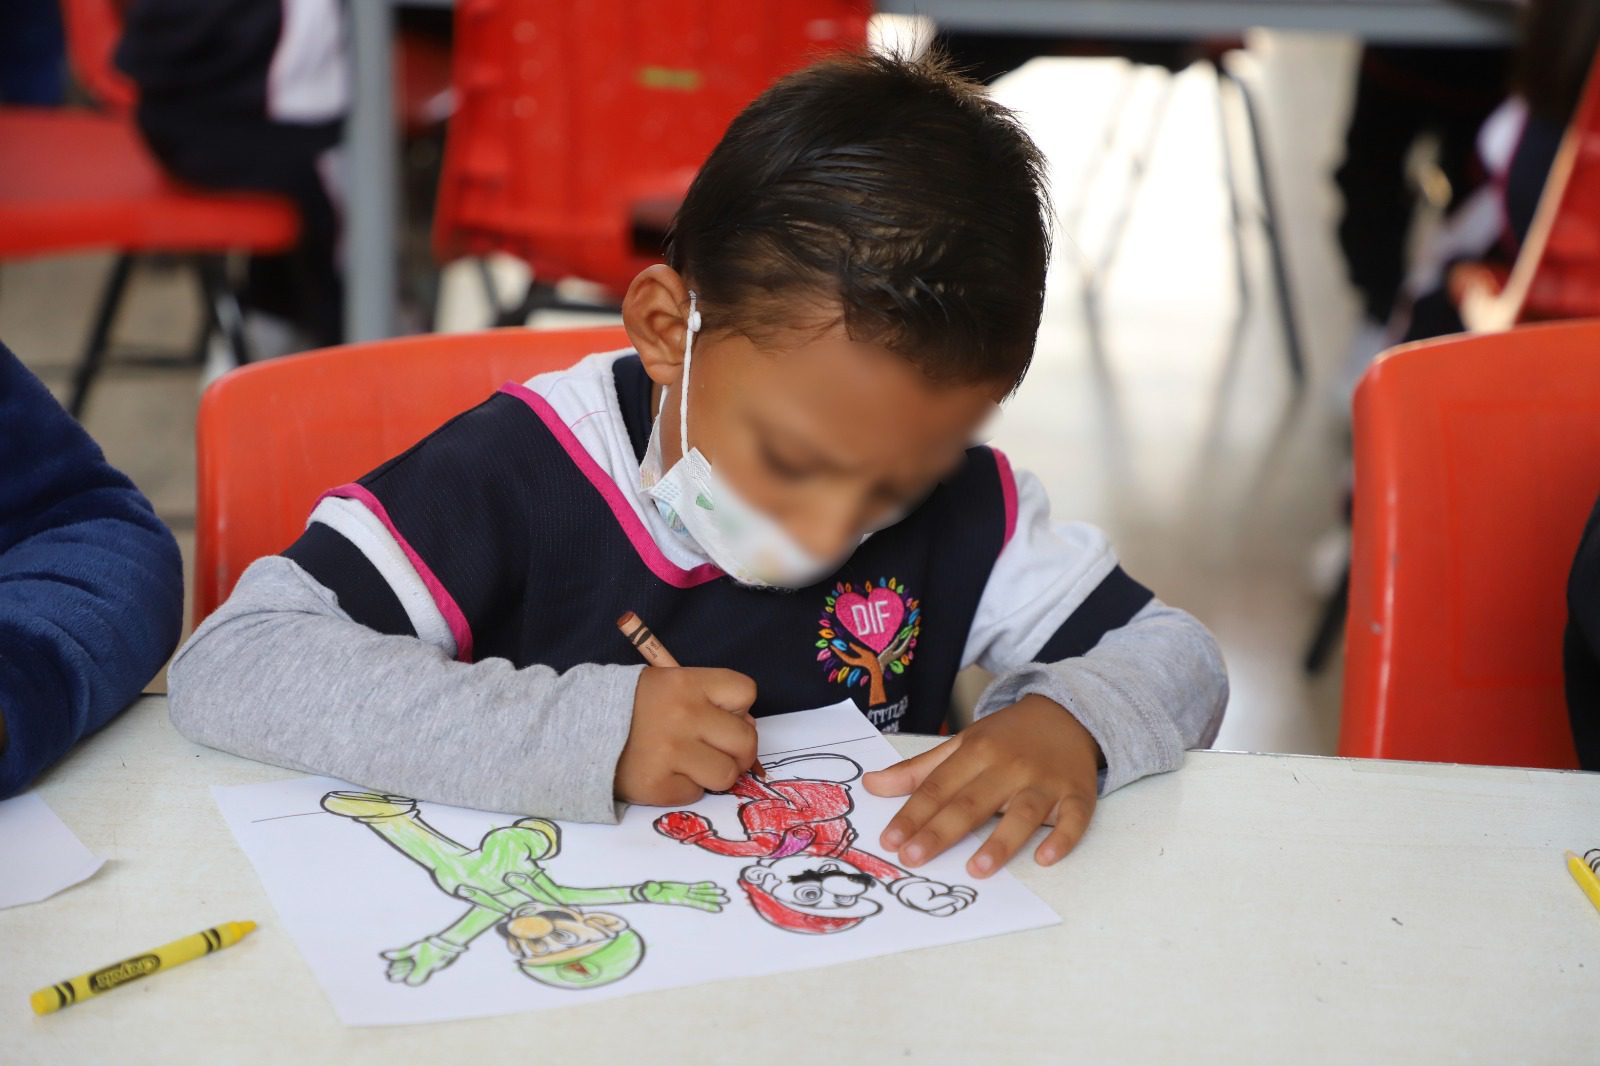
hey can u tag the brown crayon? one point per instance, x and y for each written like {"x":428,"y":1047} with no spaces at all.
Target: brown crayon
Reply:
{"x":656,"y":654}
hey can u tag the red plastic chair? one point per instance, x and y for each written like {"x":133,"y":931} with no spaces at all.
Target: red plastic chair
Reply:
{"x":75,"y":180}
{"x":1477,"y":463}
{"x":578,"y":127}
{"x":72,"y":180}
{"x":272,"y":436}
{"x":1557,"y":272}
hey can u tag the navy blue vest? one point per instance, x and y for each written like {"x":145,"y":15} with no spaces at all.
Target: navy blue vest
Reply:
{"x":533,"y":545}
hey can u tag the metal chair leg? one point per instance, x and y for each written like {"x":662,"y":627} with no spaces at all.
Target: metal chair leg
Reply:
{"x":198,"y":348}
{"x":1072,"y":216}
{"x":1269,"y":224}
{"x":1231,"y":178}
{"x":227,"y":318}
{"x":94,"y":352}
{"x":1330,"y":626}
{"x":1138,"y":166}
{"x":491,"y":291}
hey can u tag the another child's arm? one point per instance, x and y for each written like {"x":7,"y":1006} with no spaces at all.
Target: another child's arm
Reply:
{"x":91,"y":582}
{"x":1098,"y":684}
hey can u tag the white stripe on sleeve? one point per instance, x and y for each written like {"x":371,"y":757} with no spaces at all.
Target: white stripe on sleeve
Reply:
{"x":1040,"y":578}
{"x":363,"y":529}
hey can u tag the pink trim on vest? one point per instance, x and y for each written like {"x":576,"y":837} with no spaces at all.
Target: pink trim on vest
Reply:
{"x":441,"y":595}
{"x":1008,"y":491}
{"x":611,"y":492}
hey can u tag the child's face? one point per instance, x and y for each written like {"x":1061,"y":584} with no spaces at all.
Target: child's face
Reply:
{"x":829,"y":436}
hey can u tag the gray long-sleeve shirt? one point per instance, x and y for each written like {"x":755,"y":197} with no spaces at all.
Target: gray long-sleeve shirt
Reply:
{"x":279,"y":673}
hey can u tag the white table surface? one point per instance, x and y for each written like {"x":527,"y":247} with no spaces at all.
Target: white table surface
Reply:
{"x":1247,"y":908}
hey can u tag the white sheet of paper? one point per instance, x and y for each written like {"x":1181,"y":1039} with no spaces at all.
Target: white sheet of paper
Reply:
{"x":346,"y":894}
{"x":42,"y":856}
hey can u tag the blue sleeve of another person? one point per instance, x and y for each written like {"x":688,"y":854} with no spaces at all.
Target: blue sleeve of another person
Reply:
{"x":91,"y":582}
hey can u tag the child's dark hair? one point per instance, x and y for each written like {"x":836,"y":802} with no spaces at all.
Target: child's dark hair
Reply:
{"x":891,"y":187}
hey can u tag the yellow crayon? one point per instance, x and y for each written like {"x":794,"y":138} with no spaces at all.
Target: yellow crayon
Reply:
{"x":1585,"y":877}
{"x":66,"y":993}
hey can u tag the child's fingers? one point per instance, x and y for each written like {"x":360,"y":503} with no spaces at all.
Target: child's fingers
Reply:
{"x":937,"y":788}
{"x":964,"y":812}
{"x":728,"y":689}
{"x":710,"y":768}
{"x":1026,"y":812}
{"x":676,"y":791}
{"x":1072,"y":819}
{"x":903,"y":777}
{"x":733,"y":734}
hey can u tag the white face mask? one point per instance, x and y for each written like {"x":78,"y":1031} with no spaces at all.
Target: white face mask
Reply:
{"x":745,"y":543}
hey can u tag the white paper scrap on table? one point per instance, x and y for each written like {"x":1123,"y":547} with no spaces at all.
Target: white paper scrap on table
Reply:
{"x":421,"y":912}
{"x":42,"y":856}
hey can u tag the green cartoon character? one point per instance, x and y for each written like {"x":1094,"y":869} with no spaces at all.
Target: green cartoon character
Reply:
{"x":554,"y":940}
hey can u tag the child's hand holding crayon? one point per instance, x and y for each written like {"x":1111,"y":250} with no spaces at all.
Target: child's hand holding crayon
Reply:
{"x":1033,"y":761}
{"x":691,"y":733}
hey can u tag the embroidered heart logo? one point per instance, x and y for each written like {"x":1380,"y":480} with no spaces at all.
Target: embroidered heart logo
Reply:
{"x":872,"y":619}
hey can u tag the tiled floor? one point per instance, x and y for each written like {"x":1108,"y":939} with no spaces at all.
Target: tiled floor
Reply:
{"x":1181,"y":436}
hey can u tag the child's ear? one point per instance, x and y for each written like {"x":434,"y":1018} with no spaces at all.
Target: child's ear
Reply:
{"x":655,"y":312}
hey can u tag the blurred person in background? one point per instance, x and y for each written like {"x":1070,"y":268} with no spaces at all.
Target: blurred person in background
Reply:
{"x":252,"y":95}
{"x":1403,"y":96}
{"x":1516,"y":147}
{"x":33,"y":53}
{"x":1513,"y":149}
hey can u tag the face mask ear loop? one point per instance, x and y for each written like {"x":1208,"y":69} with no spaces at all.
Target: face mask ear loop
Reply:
{"x":688,"y":358}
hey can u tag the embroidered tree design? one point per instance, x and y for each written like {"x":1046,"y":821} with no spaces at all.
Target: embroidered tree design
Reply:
{"x":867,"y":633}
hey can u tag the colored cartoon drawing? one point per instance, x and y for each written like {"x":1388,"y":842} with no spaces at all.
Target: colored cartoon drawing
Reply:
{"x":553,"y":938}
{"x":866,"y":633}
{"x":810,"y":877}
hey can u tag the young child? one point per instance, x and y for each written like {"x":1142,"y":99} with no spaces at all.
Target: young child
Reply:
{"x":777,"y":477}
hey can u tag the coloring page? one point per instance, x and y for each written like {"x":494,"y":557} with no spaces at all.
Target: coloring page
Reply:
{"x":412,"y":912}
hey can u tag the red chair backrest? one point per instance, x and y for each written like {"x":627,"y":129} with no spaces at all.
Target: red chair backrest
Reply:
{"x":1558,"y":268}
{"x":1477,"y":463}
{"x":272,"y":436}
{"x":570,"y":118}
{"x":93,"y":29}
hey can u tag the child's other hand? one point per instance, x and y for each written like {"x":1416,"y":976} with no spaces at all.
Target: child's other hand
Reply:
{"x":691,"y":733}
{"x":1033,"y":760}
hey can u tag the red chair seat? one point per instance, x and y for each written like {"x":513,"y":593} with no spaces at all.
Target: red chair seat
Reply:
{"x":74,"y":180}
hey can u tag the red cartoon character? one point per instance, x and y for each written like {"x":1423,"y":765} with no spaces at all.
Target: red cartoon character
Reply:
{"x":810,"y":877}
